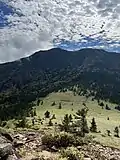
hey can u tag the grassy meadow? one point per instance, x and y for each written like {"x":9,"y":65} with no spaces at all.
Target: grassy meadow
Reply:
{"x":70,"y":104}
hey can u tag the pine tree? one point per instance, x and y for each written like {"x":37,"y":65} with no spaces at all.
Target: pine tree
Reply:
{"x":66,"y":123}
{"x":41,"y":102}
{"x":22,"y":123}
{"x":108,"y":132}
{"x":53,"y":116}
{"x":38,"y":102}
{"x":53,"y":104}
{"x":50,"y":122}
{"x":93,"y":127}
{"x":60,"y":105}
{"x":116,"y":131}
{"x":70,"y":118}
{"x":47,"y":114}
{"x":81,"y":122}
{"x":34,"y":112}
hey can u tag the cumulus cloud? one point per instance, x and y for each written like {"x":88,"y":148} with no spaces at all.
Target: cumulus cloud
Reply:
{"x":43,"y":24}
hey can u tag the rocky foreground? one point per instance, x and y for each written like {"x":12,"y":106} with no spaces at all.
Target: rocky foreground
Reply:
{"x":28,"y":146}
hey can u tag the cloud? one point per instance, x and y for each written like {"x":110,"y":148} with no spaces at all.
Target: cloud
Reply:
{"x":38,"y":25}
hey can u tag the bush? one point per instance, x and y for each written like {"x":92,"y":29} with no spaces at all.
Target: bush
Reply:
{"x":53,"y":103}
{"x":22,"y":123}
{"x":72,"y":153}
{"x":101,"y":104}
{"x":64,"y":140}
{"x":58,"y":140}
{"x":107,"y":107}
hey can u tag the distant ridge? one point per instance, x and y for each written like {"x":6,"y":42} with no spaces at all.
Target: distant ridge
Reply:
{"x":23,"y":81}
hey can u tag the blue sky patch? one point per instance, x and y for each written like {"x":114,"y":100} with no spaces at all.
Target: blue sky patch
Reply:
{"x":5,"y":10}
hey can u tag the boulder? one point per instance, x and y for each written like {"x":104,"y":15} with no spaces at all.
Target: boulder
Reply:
{"x":18,"y":143}
{"x":5,"y":149}
{"x":7,"y":136}
{"x":12,"y":157}
{"x":2,"y":140}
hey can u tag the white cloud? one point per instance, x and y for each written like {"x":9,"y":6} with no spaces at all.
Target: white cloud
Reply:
{"x":42,"y":21}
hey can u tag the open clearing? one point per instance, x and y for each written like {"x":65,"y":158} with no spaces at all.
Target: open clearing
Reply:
{"x":71,"y":103}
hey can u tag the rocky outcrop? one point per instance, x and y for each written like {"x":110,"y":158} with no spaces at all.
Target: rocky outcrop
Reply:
{"x":7,"y":151}
{"x":99,"y":152}
{"x":30,"y":143}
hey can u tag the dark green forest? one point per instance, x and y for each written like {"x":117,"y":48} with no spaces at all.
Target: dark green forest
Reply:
{"x":24,"y":81}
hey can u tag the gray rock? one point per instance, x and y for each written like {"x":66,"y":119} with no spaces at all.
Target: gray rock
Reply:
{"x":12,"y":157}
{"x":2,"y":140}
{"x":7,"y":136}
{"x":18,"y":143}
{"x":5,"y":149}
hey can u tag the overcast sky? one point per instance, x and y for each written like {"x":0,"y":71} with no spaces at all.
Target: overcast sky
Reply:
{"x":27,"y":26}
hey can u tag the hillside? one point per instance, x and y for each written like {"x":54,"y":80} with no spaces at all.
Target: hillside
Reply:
{"x":21,"y":82}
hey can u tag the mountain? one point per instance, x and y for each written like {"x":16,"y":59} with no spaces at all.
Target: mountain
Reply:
{"x":23,"y":81}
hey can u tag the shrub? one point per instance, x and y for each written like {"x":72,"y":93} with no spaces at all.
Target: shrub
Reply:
{"x":64,"y":140}
{"x":71,"y":153}
{"x":22,"y":123}
{"x":58,"y":140}
{"x":53,"y":103}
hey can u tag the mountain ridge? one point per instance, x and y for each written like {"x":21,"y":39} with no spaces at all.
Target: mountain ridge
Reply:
{"x":58,"y":49}
{"x":21,"y":82}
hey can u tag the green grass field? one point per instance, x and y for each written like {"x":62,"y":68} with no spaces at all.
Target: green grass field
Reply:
{"x":71,"y":103}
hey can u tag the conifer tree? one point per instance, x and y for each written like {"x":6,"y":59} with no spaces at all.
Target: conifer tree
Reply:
{"x":116,"y":131}
{"x":66,"y":123}
{"x":47,"y":114}
{"x":81,"y":121}
{"x":93,"y":127}
{"x":50,"y":122}
{"x":70,"y":118}
{"x":60,"y":105}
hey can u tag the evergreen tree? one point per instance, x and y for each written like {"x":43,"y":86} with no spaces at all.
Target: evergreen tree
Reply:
{"x":22,"y":123}
{"x":107,"y":107}
{"x":34,"y":112}
{"x":81,"y":122}
{"x":60,"y":105}
{"x":50,"y":122}
{"x":116,"y":131}
{"x":41,"y":102}
{"x":70,"y":118}
{"x":93,"y":127}
{"x":108,"y":132}
{"x":66,"y":123}
{"x":38,"y":102}
{"x":47,"y":114}
{"x":101,"y":104}
{"x":53,"y":104}
{"x":33,"y":121}
{"x":53,"y":116}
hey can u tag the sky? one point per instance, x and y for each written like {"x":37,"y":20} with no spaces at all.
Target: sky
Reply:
{"x":27,"y":26}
